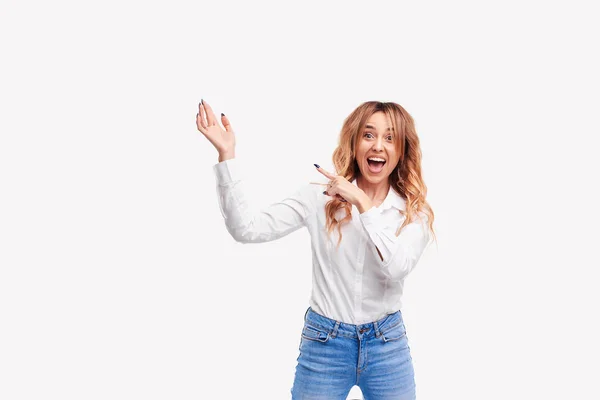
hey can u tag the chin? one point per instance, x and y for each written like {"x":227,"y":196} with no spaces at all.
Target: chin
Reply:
{"x":383,"y":176}
{"x":377,"y":179}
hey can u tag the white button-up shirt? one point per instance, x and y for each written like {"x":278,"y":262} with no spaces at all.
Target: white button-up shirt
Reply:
{"x":351,"y":283}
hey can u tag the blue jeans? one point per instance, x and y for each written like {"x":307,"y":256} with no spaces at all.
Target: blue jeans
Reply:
{"x":335,"y":356}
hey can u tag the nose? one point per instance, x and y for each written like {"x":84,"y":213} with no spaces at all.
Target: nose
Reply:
{"x":378,"y":145}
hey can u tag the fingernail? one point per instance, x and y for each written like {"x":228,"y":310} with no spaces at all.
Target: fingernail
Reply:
{"x":324,"y":191}
{"x":201,"y":100}
{"x":316,"y":165}
{"x":222,"y":114}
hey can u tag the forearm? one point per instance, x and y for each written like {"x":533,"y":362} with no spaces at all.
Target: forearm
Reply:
{"x":247,"y":224}
{"x":399,"y":254}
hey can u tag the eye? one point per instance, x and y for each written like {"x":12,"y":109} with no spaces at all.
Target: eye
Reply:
{"x":367,"y":133}
{"x":390,"y":137}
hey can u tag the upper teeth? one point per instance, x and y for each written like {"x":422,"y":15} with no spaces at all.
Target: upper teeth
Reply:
{"x":376,"y":159}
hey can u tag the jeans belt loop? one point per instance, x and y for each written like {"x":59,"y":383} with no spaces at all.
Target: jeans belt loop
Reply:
{"x":376,"y":327}
{"x":335,"y":329}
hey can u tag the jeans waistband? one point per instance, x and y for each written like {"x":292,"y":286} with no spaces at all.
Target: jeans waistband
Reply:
{"x":341,"y":328}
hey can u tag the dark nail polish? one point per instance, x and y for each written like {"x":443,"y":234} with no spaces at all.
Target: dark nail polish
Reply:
{"x":201,"y":100}
{"x":316,"y":165}
{"x":324,"y":192}
{"x":222,"y":114}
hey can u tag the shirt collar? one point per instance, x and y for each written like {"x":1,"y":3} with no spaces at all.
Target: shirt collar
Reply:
{"x":392,"y":199}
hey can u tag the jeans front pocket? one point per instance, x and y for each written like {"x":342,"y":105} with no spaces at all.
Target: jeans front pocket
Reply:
{"x":392,"y":333}
{"x":314,"y":333}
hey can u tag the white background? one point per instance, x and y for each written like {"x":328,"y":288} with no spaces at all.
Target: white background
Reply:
{"x":118,"y":279}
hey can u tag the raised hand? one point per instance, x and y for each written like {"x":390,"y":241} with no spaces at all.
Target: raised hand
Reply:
{"x":222,"y":139}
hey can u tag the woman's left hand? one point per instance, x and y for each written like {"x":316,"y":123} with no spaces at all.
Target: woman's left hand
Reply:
{"x":340,"y":187}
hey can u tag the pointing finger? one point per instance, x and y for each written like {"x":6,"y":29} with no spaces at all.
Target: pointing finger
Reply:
{"x":327,"y":174}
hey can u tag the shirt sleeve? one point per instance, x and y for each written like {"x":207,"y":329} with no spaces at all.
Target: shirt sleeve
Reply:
{"x":400,"y":253}
{"x":270,"y":223}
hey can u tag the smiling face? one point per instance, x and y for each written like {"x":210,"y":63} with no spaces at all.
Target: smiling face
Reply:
{"x":377,"y":141}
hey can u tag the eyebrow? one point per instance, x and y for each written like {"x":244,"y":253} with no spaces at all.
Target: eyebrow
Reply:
{"x":373,"y":127}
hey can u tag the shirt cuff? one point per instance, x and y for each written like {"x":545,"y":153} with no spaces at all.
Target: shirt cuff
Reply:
{"x":227,"y":171}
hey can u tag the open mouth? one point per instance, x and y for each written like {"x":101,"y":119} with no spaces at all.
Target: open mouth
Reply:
{"x":375,"y":164}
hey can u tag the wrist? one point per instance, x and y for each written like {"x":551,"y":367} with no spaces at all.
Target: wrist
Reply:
{"x":364,"y":204}
{"x":226,"y":155}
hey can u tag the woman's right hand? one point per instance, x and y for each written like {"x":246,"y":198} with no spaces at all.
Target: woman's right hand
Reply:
{"x":223,"y":140}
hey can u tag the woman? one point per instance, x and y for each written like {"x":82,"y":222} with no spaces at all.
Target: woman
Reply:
{"x":368,"y":231}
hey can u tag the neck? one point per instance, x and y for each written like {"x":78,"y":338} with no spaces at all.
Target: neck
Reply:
{"x":375,"y":191}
